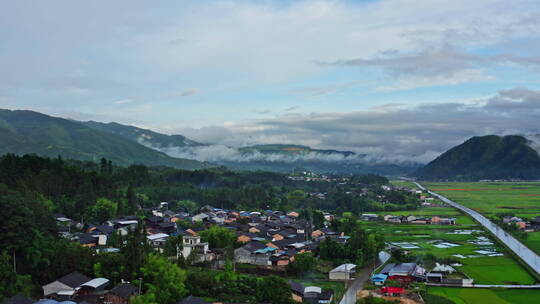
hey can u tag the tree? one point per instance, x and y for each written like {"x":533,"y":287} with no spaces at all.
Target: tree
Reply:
{"x":303,"y":263}
{"x":274,"y":289}
{"x":103,"y":210}
{"x":218,"y":237}
{"x":10,"y":282}
{"x":135,"y":251}
{"x":164,"y":281}
{"x":189,"y":206}
{"x":318,"y":219}
{"x":171,"y":246}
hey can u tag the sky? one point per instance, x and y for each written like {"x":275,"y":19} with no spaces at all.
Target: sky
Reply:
{"x":394,"y":78}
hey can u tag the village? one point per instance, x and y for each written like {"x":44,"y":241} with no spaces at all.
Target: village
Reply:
{"x":267,"y":240}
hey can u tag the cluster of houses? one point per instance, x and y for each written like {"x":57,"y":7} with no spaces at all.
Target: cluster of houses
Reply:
{"x":269,"y":239}
{"x":412,"y":219}
{"x":76,"y":288}
{"x":527,"y":226}
{"x":406,"y":273}
{"x":274,"y":241}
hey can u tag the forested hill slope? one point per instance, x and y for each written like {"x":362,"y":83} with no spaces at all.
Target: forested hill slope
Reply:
{"x":486,"y":157}
{"x":23,"y":132}
{"x":144,"y":136}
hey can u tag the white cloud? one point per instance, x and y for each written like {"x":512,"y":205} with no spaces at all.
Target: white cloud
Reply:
{"x":124,"y":101}
{"x":394,"y":132}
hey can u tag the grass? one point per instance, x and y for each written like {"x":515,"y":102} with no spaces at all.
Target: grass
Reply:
{"x":481,"y":295}
{"x":401,"y":183}
{"x":533,"y":241}
{"x":496,"y":270}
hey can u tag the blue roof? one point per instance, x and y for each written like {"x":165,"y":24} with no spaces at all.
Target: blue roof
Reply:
{"x":46,"y":301}
{"x":379,"y":277}
{"x":265,"y":250}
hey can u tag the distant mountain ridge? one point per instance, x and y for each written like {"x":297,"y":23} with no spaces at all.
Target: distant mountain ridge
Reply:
{"x":144,"y":136}
{"x":291,"y":150}
{"x":485,"y":157}
{"x":25,"y":132}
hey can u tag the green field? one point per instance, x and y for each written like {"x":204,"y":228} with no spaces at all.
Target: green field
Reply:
{"x":491,"y":296}
{"x":489,"y":198}
{"x":483,"y":269}
{"x":401,"y":183}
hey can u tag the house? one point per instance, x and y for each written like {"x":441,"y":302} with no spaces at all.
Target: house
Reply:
{"x":293,"y":214}
{"x":404,"y":272}
{"x":255,"y":253}
{"x":245,"y":237}
{"x":369,"y":217}
{"x":199,"y":217}
{"x":122,"y":294}
{"x":192,"y":300}
{"x":342,"y":272}
{"x":65,"y":286}
{"x":316,"y":295}
{"x":193,"y":245}
{"x":93,"y":286}
{"x":378,"y":279}
{"x":18,"y":299}
{"x":297,"y":291}
{"x":157,"y":240}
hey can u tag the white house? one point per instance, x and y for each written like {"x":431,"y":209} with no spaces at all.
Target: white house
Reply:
{"x":193,"y":245}
{"x":342,"y":272}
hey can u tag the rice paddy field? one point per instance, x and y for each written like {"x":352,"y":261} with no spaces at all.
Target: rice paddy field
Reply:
{"x":486,"y":295}
{"x":520,"y":199}
{"x":489,"y":198}
{"x":480,"y":258}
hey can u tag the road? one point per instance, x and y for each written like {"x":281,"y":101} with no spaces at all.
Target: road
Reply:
{"x":528,"y":256}
{"x":358,"y":284}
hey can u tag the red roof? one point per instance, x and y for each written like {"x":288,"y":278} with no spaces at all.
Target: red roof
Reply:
{"x":399,"y":290}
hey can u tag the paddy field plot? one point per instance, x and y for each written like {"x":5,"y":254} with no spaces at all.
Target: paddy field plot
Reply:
{"x":481,"y":258}
{"x":489,"y":198}
{"x":486,"y":295}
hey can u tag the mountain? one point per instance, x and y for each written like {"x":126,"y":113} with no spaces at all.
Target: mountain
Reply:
{"x":143,"y":136}
{"x":486,"y":157}
{"x":291,"y":150}
{"x":23,"y":132}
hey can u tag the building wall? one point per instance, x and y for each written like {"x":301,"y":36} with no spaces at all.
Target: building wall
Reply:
{"x":116,"y":299}
{"x":339,"y":276}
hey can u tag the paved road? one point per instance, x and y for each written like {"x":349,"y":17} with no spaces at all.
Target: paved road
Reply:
{"x":358,"y":284}
{"x":528,"y":256}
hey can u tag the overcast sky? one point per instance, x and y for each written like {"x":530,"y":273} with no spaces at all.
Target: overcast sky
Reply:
{"x":392,"y":77}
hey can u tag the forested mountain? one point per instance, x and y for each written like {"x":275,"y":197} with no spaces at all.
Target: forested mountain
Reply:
{"x":291,"y":150}
{"x":23,"y":132}
{"x":486,"y":157}
{"x":144,"y":136}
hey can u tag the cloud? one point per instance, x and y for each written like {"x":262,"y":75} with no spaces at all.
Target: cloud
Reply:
{"x":187,"y":92}
{"x":435,"y":66}
{"x":262,"y":111}
{"x":393,"y":132}
{"x":124,"y":101}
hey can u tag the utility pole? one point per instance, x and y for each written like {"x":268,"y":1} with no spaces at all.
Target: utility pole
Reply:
{"x":140,"y":285}
{"x":14,"y":263}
